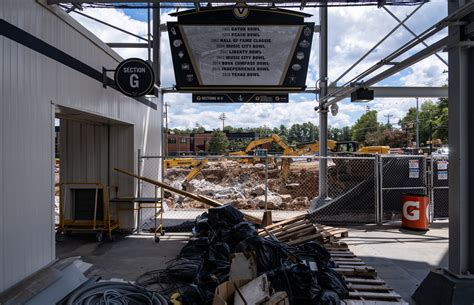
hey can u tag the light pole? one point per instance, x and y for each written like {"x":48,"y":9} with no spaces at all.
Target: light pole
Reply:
{"x":222,"y":117}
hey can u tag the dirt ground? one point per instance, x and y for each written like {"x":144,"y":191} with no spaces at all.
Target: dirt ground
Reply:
{"x":243,"y":185}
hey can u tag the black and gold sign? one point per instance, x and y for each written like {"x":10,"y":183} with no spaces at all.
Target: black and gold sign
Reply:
{"x":240,"y":48}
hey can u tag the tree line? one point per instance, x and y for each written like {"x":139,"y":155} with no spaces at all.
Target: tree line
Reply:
{"x":433,"y":115}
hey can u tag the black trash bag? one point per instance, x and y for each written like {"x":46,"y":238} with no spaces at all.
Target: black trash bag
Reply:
{"x":242,"y":231}
{"x":329,"y":297}
{"x":226,"y":213}
{"x":185,"y":269}
{"x":298,"y":281}
{"x":216,"y":266}
{"x":270,"y":254}
{"x":202,"y":227}
{"x":191,"y":295}
{"x":195,"y":247}
{"x":331,"y":280}
{"x":235,"y":234}
{"x":320,"y":253}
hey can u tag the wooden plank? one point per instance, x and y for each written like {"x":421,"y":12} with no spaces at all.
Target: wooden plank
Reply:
{"x":363,"y":287}
{"x":346,"y":259}
{"x":283,"y":222}
{"x":374,"y":295}
{"x":364,"y":280}
{"x":289,"y":235}
{"x":303,"y":239}
{"x":365,"y":302}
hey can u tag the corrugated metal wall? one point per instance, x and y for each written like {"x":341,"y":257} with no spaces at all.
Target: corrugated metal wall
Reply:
{"x":30,"y":84}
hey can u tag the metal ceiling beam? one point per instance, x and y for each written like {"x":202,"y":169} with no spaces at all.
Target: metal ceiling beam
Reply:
{"x":413,"y":33}
{"x":400,"y":23}
{"x":109,"y":25}
{"x":195,"y":1}
{"x":127,"y":45}
{"x":405,"y":92}
{"x":346,"y":91}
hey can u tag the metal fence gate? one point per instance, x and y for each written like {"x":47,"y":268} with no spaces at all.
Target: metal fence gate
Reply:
{"x":399,"y":175}
{"x":439,"y":194}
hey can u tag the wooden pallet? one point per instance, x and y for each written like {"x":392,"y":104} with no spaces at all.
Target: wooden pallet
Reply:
{"x":298,"y":230}
{"x":365,"y":287}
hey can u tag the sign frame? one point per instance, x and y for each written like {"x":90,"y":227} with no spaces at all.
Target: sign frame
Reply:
{"x":148,"y":89}
{"x":184,"y":59}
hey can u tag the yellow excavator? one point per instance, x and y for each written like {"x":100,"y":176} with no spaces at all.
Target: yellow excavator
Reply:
{"x":196,"y":164}
{"x":353,"y":147}
{"x":304,"y":149}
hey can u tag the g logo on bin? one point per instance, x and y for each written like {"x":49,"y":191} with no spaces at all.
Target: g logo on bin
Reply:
{"x":411,"y":210}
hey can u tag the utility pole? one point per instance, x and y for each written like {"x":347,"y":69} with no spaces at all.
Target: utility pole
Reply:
{"x":388,"y":116}
{"x":222,"y":117}
{"x":417,"y":125}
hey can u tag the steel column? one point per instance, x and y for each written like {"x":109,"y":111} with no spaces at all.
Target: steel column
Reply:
{"x":461,"y":176}
{"x":156,"y":46}
{"x":323,"y":111}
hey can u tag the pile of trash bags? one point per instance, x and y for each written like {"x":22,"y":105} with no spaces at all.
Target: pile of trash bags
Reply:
{"x":304,"y":272}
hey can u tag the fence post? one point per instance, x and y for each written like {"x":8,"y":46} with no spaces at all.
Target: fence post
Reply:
{"x":380,"y":168}
{"x":377,"y":189}
{"x":139,"y":167}
{"x":266,"y":181}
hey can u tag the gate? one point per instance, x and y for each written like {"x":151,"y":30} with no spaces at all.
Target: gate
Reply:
{"x":439,"y":186}
{"x":399,"y":175}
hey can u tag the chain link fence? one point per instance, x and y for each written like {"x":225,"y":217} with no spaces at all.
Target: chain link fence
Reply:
{"x":351,"y":192}
{"x":361,"y":189}
{"x":440,"y":186}
{"x":400,"y":175}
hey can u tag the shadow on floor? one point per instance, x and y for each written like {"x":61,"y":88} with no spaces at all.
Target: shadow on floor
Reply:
{"x":127,"y":257}
{"x":404,"y":276}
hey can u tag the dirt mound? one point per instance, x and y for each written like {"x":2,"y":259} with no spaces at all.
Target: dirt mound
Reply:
{"x":243,"y":185}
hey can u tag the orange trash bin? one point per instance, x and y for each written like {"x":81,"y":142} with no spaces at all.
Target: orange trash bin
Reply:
{"x":415,"y":212}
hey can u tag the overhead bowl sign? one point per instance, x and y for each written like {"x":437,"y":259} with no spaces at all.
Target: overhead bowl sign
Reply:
{"x":240,"y":48}
{"x":134,"y":77}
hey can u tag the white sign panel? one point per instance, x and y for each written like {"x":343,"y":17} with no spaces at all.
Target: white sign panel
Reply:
{"x":412,"y":164}
{"x":442,"y":165}
{"x":243,"y":55}
{"x":414,"y":173}
{"x":443,"y":175}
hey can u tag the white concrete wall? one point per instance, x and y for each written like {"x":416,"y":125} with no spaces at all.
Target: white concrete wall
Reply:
{"x":30,"y":84}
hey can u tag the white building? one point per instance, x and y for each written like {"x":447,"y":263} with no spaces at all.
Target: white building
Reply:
{"x":51,"y":67}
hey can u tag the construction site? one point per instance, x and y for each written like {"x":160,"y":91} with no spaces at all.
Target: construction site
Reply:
{"x":236,"y":153}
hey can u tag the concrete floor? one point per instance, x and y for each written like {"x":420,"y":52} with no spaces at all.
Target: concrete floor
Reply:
{"x":402,"y":258}
{"x":127,"y":257}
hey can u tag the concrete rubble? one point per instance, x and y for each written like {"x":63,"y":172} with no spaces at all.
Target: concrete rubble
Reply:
{"x":243,"y":185}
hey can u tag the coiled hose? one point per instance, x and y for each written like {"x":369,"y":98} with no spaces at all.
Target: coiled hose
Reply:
{"x":115,"y":293}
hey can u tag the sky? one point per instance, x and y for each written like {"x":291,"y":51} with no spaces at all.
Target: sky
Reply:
{"x":352,"y":32}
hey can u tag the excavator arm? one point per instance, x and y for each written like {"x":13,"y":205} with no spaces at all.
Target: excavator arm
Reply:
{"x":196,"y":170}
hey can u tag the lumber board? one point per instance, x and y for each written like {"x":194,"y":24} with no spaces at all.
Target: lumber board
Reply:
{"x":374,"y":295}
{"x":365,"y":302}
{"x":286,"y":221}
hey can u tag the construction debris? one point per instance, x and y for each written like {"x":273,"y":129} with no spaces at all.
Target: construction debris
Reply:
{"x":298,"y":230}
{"x":226,"y":250}
{"x":243,"y":185}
